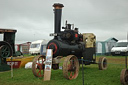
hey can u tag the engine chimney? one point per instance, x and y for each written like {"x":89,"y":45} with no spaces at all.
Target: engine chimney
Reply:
{"x":57,"y":11}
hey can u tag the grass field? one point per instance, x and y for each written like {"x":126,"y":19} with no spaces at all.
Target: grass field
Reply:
{"x":92,"y":76}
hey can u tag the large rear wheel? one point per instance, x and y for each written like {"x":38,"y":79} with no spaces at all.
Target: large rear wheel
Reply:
{"x":71,"y":67}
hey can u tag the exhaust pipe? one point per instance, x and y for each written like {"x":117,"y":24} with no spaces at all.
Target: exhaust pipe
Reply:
{"x":57,"y":15}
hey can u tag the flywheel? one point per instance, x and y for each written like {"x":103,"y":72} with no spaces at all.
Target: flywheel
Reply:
{"x":5,"y":49}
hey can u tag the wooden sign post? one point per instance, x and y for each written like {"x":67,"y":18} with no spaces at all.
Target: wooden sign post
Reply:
{"x":48,"y":65}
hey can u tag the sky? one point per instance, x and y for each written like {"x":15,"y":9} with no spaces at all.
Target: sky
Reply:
{"x":34,"y":19}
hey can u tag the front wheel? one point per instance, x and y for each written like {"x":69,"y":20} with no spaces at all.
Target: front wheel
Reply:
{"x":38,"y":66}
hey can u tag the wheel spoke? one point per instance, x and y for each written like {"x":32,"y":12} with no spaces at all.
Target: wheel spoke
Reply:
{"x":39,"y":71}
{"x":40,"y":68}
{"x":70,"y":75}
{"x":38,"y":63}
{"x":5,"y":48}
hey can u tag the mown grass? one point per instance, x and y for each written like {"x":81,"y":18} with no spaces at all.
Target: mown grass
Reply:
{"x":92,"y":76}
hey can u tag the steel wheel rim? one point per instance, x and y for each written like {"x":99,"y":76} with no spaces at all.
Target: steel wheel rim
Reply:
{"x":71,"y":67}
{"x":38,"y":66}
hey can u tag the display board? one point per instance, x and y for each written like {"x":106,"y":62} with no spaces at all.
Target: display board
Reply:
{"x":48,"y":65}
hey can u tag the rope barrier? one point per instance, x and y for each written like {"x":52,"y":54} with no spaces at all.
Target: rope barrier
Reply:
{"x":79,"y":60}
{"x":95,"y":63}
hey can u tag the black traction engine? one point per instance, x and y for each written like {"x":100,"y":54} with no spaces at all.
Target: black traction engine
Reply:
{"x":70,"y":44}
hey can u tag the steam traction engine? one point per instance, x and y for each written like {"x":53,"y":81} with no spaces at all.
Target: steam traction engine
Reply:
{"x":71,"y":44}
{"x":7,"y":47}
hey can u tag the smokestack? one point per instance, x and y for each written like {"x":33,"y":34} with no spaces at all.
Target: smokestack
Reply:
{"x":57,"y":11}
